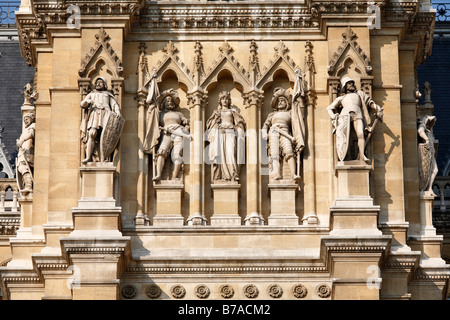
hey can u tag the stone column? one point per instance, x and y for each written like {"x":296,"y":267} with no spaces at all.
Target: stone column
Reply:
{"x":253,"y":101}
{"x":309,"y":159}
{"x":2,"y":201}
{"x":141,"y":190}
{"x":197,"y":98}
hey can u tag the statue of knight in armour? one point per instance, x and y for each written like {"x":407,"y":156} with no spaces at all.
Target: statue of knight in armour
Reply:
{"x":285,"y":130}
{"x":350,"y":115}
{"x":102,"y":123}
{"x":166,"y":130}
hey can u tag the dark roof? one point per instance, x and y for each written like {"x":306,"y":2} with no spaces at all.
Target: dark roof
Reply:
{"x":14,"y":75}
{"x":436,"y":70}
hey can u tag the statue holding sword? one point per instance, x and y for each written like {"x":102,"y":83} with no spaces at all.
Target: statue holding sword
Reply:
{"x":166,"y":130}
{"x":285,"y":130}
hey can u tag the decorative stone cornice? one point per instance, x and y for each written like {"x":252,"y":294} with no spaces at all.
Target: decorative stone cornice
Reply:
{"x":9,"y":225}
{"x":225,"y":270}
{"x":198,"y":16}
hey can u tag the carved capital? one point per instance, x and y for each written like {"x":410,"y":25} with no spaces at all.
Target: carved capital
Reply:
{"x":198,"y":97}
{"x":253,"y":98}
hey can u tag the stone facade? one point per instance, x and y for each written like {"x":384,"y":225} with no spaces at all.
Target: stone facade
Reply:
{"x":336,"y":229}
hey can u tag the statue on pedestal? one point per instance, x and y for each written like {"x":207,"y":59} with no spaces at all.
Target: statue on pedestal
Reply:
{"x":285,"y":130}
{"x":25,"y":156}
{"x":354,"y":106}
{"x":166,"y":130}
{"x":226,"y":136}
{"x":102,"y":123}
{"x":427,"y":154}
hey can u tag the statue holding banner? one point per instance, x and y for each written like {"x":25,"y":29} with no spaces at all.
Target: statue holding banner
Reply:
{"x":285,"y":130}
{"x":166,"y":130}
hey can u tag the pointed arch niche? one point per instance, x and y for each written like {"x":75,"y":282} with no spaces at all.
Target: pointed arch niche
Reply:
{"x":349,"y":60}
{"x":101,"y":61}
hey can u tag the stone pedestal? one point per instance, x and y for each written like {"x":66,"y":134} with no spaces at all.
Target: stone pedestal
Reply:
{"x":282,"y":204}
{"x":96,"y":242}
{"x":168,"y":204}
{"x":354,"y":211}
{"x":97,"y":208}
{"x":226,"y":204}
{"x":428,"y":242}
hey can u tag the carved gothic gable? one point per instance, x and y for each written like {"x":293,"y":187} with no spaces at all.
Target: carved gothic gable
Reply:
{"x":173,"y":62}
{"x":349,"y":55}
{"x":281,"y":60}
{"x":101,"y":54}
{"x":228,"y":62}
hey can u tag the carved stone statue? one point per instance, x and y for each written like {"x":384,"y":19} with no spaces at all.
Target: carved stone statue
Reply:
{"x":285,"y":130}
{"x":427,"y":154}
{"x":350,"y":116}
{"x":25,"y":156}
{"x":226,"y":136}
{"x":166,"y":129}
{"x":102,"y":123}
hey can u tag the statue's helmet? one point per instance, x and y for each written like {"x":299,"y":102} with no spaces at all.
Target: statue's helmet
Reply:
{"x":31,"y":116}
{"x":170,"y":92}
{"x":345,"y":80}
{"x":105,"y":82}
{"x":278,"y":93}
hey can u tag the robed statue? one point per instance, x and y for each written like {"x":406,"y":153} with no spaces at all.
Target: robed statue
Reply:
{"x":427,"y":154}
{"x":101,"y":124}
{"x":226,"y":136}
{"x":25,"y":156}
{"x":285,"y":130}
{"x":350,"y":115}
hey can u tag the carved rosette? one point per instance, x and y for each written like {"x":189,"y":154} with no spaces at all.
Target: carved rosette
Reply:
{"x":178,"y":291}
{"x":299,"y":291}
{"x":129,"y":291}
{"x":323,"y":291}
{"x":153,"y":291}
{"x":202,"y":291}
{"x":226,"y":291}
{"x":251,"y":291}
{"x":275,"y":291}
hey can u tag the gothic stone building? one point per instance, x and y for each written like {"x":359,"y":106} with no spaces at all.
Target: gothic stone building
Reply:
{"x":135,"y":101}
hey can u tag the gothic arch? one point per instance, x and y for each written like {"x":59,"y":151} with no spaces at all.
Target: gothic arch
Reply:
{"x":227,"y":62}
{"x":280,"y":61}
{"x":173,"y":64}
